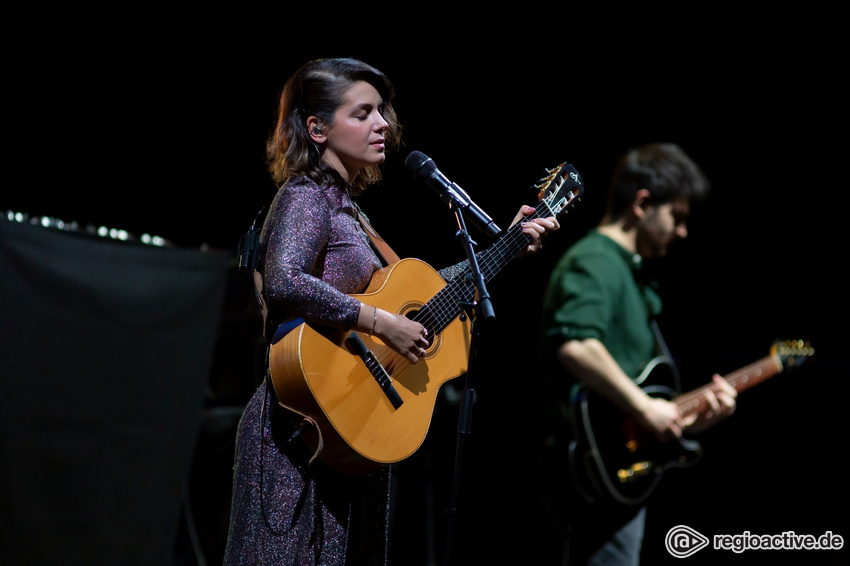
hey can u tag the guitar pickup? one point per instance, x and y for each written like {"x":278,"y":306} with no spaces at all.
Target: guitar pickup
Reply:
{"x":358,"y":347}
{"x":638,"y":469}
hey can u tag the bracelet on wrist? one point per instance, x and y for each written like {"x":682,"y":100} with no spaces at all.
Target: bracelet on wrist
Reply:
{"x":374,"y":320}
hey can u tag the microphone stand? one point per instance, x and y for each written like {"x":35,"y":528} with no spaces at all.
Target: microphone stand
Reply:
{"x":480,"y":308}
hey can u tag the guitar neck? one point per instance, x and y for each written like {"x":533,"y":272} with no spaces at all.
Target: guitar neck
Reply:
{"x":503,"y":250}
{"x":742,"y":379}
{"x":448,"y":303}
{"x":559,"y":191}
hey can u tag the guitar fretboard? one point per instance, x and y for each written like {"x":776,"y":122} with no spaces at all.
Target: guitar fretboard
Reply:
{"x":753,"y":374}
{"x":781,"y":357}
{"x":448,"y":303}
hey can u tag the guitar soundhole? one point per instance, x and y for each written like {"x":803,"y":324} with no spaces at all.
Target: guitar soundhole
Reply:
{"x":410,"y":311}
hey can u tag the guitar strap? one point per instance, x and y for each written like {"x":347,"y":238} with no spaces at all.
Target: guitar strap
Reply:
{"x":661,"y":347}
{"x":660,"y":344}
{"x":382,"y":247}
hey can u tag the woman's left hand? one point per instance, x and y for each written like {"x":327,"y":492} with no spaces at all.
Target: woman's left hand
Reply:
{"x":538,"y":229}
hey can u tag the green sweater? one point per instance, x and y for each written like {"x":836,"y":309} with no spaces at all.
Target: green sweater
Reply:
{"x":595,"y":291}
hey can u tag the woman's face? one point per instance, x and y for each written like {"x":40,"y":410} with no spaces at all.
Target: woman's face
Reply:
{"x":356,"y":138}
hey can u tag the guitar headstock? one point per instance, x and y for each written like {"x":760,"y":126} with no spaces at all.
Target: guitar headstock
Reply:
{"x":792,"y":353}
{"x":560,"y":189}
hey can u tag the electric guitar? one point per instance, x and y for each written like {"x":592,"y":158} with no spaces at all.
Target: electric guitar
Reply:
{"x":613,"y":459}
{"x":358,"y":404}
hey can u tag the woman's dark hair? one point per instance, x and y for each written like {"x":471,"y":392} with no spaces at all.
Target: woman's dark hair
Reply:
{"x":317,"y":89}
{"x":664,"y":169}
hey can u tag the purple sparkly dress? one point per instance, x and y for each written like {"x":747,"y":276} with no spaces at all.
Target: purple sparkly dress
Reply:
{"x":285,"y":512}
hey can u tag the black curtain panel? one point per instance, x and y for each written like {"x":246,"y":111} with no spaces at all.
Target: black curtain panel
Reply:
{"x":105,"y":353}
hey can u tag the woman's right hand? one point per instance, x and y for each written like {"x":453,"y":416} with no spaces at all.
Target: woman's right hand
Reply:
{"x":407,"y":337}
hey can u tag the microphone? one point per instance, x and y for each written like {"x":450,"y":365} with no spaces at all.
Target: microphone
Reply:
{"x":423,"y":168}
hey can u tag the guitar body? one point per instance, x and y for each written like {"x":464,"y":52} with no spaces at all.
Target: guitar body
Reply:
{"x":366,"y":405}
{"x":612,"y":457}
{"x":356,"y":428}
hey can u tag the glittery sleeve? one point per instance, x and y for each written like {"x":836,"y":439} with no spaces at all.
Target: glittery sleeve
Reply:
{"x":314,"y":256}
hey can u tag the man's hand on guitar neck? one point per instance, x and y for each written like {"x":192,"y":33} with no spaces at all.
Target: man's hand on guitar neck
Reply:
{"x":665,"y":419}
{"x":721,"y":401}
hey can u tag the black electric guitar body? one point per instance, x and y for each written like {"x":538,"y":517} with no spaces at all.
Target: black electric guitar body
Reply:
{"x":614,"y":459}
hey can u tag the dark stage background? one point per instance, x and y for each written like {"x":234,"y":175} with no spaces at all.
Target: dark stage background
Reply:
{"x":160,"y":128}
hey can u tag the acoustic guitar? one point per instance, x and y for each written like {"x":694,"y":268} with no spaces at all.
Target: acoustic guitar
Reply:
{"x":613,"y":459}
{"x":360,"y":404}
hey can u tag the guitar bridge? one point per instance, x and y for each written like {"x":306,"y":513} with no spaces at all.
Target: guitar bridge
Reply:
{"x":356,"y":345}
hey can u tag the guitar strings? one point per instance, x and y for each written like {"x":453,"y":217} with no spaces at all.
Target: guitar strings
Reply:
{"x":438,"y":312}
